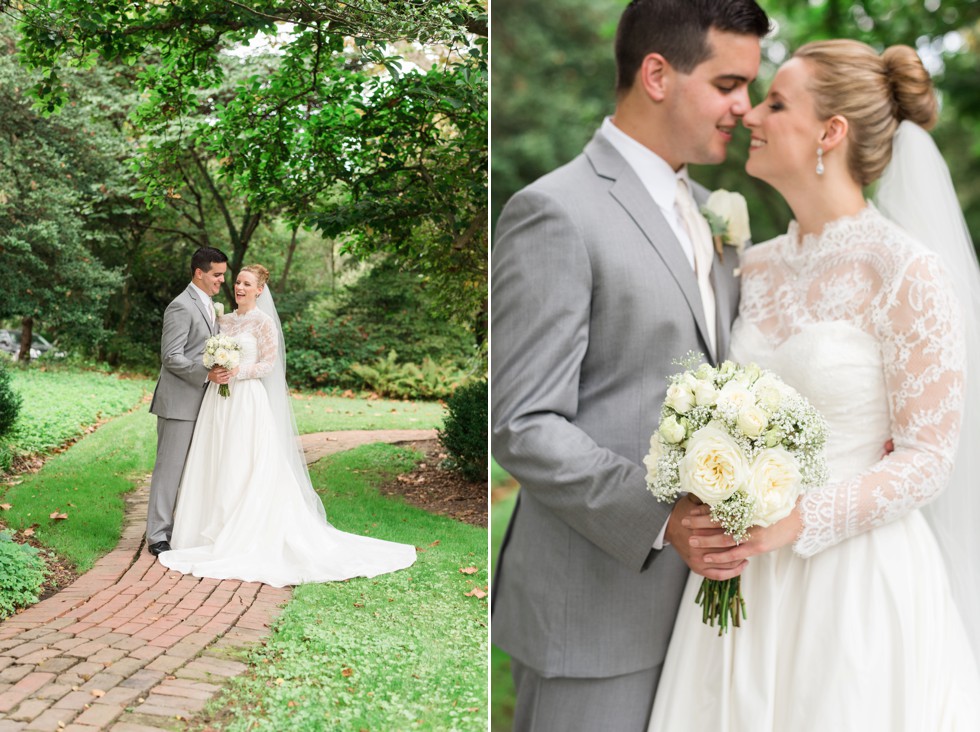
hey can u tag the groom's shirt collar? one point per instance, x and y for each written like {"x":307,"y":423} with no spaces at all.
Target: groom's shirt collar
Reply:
{"x":205,"y":297}
{"x":657,"y":177}
{"x":201,"y":293}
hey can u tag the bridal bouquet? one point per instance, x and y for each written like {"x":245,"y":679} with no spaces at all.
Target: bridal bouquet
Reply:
{"x":224,"y":351}
{"x":746,"y":444}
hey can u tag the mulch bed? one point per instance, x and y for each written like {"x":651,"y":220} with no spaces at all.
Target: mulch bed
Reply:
{"x":438,"y":490}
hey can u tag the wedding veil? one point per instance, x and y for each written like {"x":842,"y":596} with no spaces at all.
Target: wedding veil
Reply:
{"x":284,"y":423}
{"x":916,"y":192}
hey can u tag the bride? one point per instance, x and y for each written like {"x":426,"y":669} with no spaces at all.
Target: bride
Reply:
{"x":246,"y":508}
{"x":858,"y":603}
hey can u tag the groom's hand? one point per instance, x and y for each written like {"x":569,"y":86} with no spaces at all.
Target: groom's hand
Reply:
{"x":696,"y":538}
{"x":219,"y":375}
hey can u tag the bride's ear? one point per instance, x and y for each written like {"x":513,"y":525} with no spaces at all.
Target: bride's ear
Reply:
{"x":834,"y":132}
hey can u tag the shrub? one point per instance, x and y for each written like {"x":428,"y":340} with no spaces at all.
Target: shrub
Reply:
{"x":21,"y":575}
{"x":428,"y":380}
{"x":385,"y":309}
{"x":464,"y":432}
{"x":9,"y":401}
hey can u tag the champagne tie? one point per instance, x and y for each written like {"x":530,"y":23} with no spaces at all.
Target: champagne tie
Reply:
{"x":700,"y":235}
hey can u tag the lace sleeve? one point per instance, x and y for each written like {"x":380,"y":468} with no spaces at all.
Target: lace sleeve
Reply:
{"x":924,"y":360}
{"x":268,"y":346}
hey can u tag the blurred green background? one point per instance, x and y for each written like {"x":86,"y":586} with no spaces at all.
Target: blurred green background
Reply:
{"x":552,"y":80}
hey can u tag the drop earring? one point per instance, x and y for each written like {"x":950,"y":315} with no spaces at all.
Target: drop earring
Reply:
{"x":819,"y":160}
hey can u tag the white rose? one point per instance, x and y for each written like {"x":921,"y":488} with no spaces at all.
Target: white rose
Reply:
{"x":672,"y":431}
{"x":771,"y":392}
{"x":221,"y":356}
{"x":713,"y":467}
{"x":705,"y":394}
{"x":705,"y":372}
{"x":219,"y":309}
{"x":775,"y":484}
{"x":680,"y":398}
{"x":736,"y":395}
{"x":752,"y":420}
{"x":732,"y":209}
{"x":652,"y":458}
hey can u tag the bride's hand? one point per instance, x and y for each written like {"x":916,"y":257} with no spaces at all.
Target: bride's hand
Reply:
{"x":704,"y":535}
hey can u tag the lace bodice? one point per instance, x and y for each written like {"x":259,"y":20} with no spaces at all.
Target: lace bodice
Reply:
{"x":256,"y":333}
{"x":860,"y":319}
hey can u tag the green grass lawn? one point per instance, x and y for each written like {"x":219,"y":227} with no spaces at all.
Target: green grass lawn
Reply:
{"x":403,"y":651}
{"x":60,"y":405}
{"x":318,"y":413}
{"x":501,"y":683}
{"x":86,"y":483}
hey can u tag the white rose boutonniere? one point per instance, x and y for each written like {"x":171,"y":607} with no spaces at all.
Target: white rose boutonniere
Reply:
{"x":728,"y":216}
{"x":219,"y":309}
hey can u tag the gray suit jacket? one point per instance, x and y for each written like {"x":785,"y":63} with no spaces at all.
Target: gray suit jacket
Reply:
{"x":592,"y":302}
{"x":183,"y":376}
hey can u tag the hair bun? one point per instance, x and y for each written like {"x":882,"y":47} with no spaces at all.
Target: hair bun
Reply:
{"x":260,"y":272}
{"x":911,"y":86}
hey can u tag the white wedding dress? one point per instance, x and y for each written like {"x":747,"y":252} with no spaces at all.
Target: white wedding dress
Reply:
{"x":853,"y":628}
{"x":242,"y":512}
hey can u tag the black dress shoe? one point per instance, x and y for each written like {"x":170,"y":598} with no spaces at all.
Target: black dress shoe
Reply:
{"x":159,"y":548}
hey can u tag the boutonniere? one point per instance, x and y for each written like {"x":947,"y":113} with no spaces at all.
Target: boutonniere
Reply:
{"x":219,"y":309}
{"x":728,"y":216}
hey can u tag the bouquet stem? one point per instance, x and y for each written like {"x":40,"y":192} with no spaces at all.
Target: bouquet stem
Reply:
{"x":223,"y":390}
{"x":721,"y":601}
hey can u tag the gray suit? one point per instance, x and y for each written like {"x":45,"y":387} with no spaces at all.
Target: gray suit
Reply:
{"x":592,"y":302}
{"x":176,"y":402}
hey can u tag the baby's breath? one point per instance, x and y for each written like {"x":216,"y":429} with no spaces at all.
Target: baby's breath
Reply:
{"x":777,"y":418}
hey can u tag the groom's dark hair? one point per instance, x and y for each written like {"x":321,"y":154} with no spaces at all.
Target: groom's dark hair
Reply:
{"x":678,"y":30}
{"x":204,"y":257}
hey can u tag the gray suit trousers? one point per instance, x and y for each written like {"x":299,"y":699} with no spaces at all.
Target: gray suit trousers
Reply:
{"x":173,"y":442}
{"x":617,"y":703}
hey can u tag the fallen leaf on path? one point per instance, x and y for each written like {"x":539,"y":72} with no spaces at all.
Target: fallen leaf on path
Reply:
{"x":98,"y":693}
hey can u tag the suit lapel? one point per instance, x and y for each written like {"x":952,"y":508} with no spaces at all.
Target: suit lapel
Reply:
{"x":201,"y":307}
{"x":635,"y":200}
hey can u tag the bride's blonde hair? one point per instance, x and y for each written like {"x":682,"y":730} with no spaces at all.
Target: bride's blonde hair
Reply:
{"x":260,"y":272}
{"x":873,"y":92}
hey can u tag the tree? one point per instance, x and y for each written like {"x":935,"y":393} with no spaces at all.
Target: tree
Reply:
{"x":52,"y":174}
{"x":306,"y":134}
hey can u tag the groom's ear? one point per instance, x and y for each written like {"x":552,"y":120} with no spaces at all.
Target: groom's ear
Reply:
{"x":834,"y":132}
{"x":652,"y":76}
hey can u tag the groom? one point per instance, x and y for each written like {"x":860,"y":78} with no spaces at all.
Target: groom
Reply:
{"x":187,"y":324}
{"x":603,"y":275}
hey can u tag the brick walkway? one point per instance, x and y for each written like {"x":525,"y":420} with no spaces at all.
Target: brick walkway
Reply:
{"x":131,"y":646}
